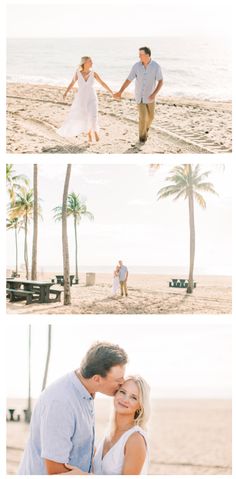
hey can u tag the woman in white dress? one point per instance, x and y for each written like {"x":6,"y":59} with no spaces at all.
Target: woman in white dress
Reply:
{"x":124,"y":450}
{"x":83,"y":115}
{"x":116,"y":281}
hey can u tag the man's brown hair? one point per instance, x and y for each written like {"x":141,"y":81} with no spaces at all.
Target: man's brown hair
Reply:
{"x":100,"y":358}
{"x":146,"y":50}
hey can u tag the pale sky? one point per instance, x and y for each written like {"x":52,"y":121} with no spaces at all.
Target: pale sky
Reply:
{"x":119,"y":18}
{"x":130,"y":224}
{"x":185,"y":359}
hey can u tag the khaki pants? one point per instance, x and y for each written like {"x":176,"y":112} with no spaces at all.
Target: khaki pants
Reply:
{"x":123,"y":288}
{"x":146,"y":115}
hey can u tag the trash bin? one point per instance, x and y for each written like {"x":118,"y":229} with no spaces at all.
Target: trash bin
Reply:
{"x":90,"y":279}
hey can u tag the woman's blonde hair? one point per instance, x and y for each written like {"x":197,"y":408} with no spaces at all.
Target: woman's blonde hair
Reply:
{"x":142,"y":415}
{"x":82,"y":62}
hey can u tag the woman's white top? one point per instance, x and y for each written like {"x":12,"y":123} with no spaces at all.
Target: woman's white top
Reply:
{"x":113,"y":460}
{"x":83,"y":114}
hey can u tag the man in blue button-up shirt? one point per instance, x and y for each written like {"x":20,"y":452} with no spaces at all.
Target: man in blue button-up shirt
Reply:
{"x":62,"y":424}
{"x":123,"y":277}
{"x":148,"y":82}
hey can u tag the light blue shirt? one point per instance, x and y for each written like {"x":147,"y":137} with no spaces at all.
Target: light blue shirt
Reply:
{"x":122,"y":273}
{"x":62,"y":428}
{"x":145,"y":80}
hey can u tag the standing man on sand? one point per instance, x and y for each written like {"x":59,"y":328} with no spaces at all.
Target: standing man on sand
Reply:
{"x":123,"y":277}
{"x":148,"y":82}
{"x":63,"y":423}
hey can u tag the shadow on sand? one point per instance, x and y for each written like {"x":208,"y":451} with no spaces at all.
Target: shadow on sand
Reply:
{"x":134,"y":148}
{"x":66,"y":149}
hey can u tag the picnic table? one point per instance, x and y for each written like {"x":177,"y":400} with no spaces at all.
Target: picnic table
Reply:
{"x":30,"y":290}
{"x":12,"y":416}
{"x":180,"y":283}
{"x":60,"y":279}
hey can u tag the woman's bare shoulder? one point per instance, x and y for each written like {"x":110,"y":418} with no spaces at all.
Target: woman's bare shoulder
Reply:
{"x":137,"y":441}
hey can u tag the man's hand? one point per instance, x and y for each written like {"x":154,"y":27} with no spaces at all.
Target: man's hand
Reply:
{"x":152,"y":97}
{"x":75,"y":470}
{"x":117,"y":95}
{"x":54,"y":467}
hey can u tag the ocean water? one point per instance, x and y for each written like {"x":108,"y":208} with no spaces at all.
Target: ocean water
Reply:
{"x":133,"y":269}
{"x":192,"y":67}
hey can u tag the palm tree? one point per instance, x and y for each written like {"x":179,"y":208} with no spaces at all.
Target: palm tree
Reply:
{"x":188,"y":182}
{"x":76,"y":208}
{"x":14,"y":182}
{"x":48,"y":357}
{"x":65,"y":248}
{"x":35,"y":223}
{"x":28,"y":412}
{"x":15,"y":224}
{"x":23,"y":208}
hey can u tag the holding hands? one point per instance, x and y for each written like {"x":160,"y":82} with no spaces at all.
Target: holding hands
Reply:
{"x":117,"y":95}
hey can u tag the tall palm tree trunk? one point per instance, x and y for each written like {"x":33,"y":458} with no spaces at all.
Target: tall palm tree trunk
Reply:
{"x":76,"y":251}
{"x":29,"y":406}
{"x":26,"y":248}
{"x":35,"y":231}
{"x":66,"y":262}
{"x":192,"y":241}
{"x":16,"y":246}
{"x":48,"y":357}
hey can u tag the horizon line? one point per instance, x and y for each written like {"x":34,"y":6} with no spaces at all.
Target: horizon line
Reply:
{"x":154,"y":396}
{"x":181,"y":35}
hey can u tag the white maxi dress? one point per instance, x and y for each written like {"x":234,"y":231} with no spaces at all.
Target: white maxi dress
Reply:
{"x":112,"y":462}
{"x":83,"y":114}
{"x":115,"y":284}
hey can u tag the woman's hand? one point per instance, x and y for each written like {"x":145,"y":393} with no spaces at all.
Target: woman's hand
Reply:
{"x":74,"y":470}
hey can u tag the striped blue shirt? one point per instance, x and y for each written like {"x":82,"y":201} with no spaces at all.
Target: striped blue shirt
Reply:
{"x":62,"y":428}
{"x":145,"y":80}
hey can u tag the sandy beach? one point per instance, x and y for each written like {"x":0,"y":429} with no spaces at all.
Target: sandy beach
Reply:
{"x":181,"y":125}
{"x":186,"y":436}
{"x":148,"y":294}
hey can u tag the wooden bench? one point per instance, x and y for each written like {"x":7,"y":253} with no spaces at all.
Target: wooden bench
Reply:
{"x":57,"y":293}
{"x":21,"y":294}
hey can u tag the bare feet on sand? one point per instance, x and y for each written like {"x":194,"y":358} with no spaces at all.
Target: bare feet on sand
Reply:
{"x":90,"y":139}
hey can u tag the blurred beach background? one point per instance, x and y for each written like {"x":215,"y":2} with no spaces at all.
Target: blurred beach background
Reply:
{"x":192,"y":45}
{"x":187,"y":363}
